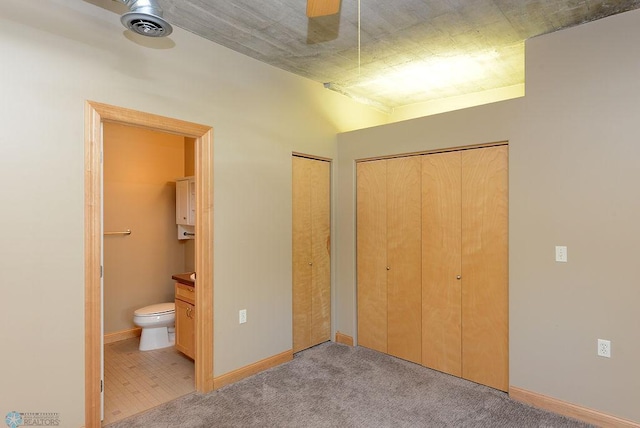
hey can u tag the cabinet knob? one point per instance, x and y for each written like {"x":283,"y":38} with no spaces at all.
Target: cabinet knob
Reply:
{"x":458,"y":277}
{"x":388,"y":268}
{"x":310,"y":263}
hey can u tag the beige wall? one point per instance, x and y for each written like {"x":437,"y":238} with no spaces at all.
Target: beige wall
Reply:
{"x":443,"y":105}
{"x":58,"y":54}
{"x":573,"y":171}
{"x":140,"y":168}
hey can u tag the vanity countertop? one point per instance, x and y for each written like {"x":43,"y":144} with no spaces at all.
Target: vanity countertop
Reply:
{"x":184,"y":278}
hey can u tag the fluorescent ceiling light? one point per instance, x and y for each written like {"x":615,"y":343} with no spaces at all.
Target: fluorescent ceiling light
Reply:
{"x":432,"y":74}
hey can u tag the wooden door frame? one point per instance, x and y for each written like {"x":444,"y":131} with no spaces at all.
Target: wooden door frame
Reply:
{"x":95,"y":115}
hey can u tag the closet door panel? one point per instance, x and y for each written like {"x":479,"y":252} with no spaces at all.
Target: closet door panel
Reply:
{"x":371,"y":217}
{"x":404,"y":256}
{"x":485,"y":266}
{"x":301,"y":253}
{"x":441,"y":263}
{"x":321,"y":251}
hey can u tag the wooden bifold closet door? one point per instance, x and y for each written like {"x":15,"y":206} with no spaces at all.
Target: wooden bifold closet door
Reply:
{"x":311,"y":252}
{"x":441,"y":263}
{"x":485,"y":267}
{"x":465,"y":261}
{"x":388,"y":261}
{"x":456,"y":319}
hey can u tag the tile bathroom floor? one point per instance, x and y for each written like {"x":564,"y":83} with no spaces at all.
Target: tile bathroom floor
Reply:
{"x":136,"y":381}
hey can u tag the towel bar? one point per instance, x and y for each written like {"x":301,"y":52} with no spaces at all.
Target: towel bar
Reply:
{"x":126,"y":232}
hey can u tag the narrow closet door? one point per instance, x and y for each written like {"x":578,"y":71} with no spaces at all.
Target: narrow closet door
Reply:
{"x":441,"y":263}
{"x":371,"y":213}
{"x":320,"y":172}
{"x":302,"y":272}
{"x":485,"y":357}
{"x":311,"y":252}
{"x":404,"y":259}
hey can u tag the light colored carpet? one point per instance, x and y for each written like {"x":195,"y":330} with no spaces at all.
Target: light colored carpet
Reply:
{"x":333,"y":385}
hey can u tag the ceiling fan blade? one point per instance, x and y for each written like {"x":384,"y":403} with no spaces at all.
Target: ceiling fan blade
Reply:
{"x":317,"y":8}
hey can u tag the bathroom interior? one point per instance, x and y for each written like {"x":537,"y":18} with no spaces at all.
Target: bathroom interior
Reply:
{"x":141,"y":268}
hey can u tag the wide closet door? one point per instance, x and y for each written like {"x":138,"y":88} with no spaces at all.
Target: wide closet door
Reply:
{"x":389,"y":254}
{"x":432,"y":261}
{"x":465,"y":262}
{"x":311,"y":252}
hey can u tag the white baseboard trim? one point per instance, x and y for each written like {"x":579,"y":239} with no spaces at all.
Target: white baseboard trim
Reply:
{"x":564,"y":408}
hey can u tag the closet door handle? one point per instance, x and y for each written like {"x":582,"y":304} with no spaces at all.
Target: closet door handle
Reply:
{"x":310,"y":263}
{"x":458,"y":277}
{"x":388,"y":267}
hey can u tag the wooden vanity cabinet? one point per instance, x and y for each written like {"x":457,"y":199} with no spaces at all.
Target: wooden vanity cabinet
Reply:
{"x":185,"y":319}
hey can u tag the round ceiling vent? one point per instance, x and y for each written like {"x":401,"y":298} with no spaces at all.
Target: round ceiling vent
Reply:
{"x":146,"y":24}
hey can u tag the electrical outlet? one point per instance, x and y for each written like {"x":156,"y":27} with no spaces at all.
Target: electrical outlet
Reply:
{"x":243,"y":316}
{"x":604,"y":348}
{"x":561,"y":253}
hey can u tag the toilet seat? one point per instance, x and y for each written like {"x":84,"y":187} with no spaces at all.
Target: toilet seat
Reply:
{"x":155,"y":310}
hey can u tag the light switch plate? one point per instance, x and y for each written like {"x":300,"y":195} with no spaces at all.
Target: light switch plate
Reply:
{"x":561,"y":253}
{"x":242,"y":316}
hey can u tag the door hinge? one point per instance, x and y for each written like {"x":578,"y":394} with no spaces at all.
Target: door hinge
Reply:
{"x":101,"y":271}
{"x":101,"y":386}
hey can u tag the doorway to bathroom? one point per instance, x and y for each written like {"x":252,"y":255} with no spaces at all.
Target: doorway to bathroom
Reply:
{"x":142,"y":250}
{"x":96,"y":116}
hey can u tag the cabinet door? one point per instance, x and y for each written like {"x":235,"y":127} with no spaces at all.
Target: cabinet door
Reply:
{"x":192,"y":202}
{"x":485,"y":351}
{"x":185,"y":328}
{"x":182,"y":202}
{"x":311,"y":252}
{"x":371,"y":213}
{"x":404,"y":261}
{"x":441,"y":263}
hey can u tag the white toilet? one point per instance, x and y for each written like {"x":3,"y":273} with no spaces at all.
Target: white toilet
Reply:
{"x":157,"y":322}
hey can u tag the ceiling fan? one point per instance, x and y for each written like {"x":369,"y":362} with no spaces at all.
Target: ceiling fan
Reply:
{"x":316,"y":8}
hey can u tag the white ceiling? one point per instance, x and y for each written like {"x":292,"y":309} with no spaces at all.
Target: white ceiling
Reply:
{"x":410,"y":51}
